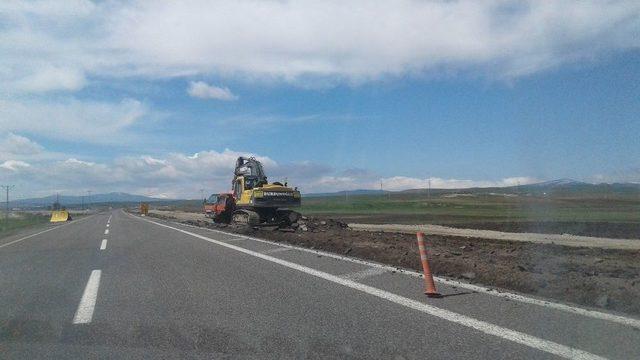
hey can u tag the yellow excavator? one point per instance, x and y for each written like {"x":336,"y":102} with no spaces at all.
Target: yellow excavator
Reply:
{"x":256,"y":202}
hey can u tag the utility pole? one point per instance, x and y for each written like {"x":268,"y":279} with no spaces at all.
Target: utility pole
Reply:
{"x":388,"y":192}
{"x":82,"y":202}
{"x":89,"y":199}
{"x":429,"y":190}
{"x":6,"y":215}
{"x":201,"y":193}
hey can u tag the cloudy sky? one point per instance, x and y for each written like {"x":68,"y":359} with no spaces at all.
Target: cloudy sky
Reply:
{"x":160,"y":97}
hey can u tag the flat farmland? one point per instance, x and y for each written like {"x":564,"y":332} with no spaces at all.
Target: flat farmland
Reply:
{"x":617,"y":217}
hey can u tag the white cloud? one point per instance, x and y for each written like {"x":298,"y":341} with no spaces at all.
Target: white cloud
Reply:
{"x":365,"y":39}
{"x":14,"y":165}
{"x":51,"y":79}
{"x":178,"y":175}
{"x":53,"y":45}
{"x":71,"y":119}
{"x":203,"y":90}
{"x":14,"y":144}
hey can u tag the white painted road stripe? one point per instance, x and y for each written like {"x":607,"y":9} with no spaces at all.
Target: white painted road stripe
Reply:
{"x":485,"y":327}
{"x":104,"y":244}
{"x":107,"y":224}
{"x":42,"y":232}
{"x":363,"y":274}
{"x":84,"y":314}
{"x":503,"y":294}
{"x":106,"y":231}
{"x":109,"y":218}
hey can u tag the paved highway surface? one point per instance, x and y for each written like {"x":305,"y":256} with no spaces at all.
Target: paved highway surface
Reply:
{"x":114,"y":285}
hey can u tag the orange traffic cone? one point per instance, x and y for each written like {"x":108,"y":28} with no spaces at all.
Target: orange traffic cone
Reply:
{"x":430,"y":286}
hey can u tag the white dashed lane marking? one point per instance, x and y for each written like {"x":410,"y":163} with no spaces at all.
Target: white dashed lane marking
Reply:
{"x":84,"y":314}
{"x":104,"y":244}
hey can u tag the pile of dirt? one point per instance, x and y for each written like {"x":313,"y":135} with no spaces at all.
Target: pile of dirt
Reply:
{"x":319,"y":225}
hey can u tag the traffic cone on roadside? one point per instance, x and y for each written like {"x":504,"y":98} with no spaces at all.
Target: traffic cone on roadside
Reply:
{"x":430,"y":286}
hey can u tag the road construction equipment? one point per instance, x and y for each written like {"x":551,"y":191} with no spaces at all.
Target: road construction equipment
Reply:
{"x":258,"y":202}
{"x":255,"y":201}
{"x":219,"y":207}
{"x":429,"y":285}
{"x":60,"y":216}
{"x":58,"y":213}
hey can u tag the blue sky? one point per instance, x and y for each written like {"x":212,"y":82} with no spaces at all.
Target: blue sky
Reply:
{"x":151,"y":98}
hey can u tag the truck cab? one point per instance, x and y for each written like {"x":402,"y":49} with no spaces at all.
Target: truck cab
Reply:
{"x":219,"y":207}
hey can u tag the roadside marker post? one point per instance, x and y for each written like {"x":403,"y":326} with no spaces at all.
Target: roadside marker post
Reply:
{"x":429,"y":284}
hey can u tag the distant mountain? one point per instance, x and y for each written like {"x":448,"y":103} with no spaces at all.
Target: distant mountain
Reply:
{"x":68,"y":200}
{"x":570,"y":187}
{"x":559,"y":183}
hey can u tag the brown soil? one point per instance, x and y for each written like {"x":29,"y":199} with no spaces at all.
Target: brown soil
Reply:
{"x":602,"y":278}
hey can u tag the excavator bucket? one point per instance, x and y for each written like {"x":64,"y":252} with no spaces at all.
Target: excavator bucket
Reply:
{"x":59,"y":216}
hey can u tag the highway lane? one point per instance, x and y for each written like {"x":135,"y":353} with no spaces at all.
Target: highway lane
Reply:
{"x":42,"y":278}
{"x":168,"y":290}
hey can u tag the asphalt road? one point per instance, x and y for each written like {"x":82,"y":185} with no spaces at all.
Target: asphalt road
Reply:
{"x":114,"y":285}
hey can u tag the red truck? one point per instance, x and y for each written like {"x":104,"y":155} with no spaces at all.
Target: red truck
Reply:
{"x":219,"y":207}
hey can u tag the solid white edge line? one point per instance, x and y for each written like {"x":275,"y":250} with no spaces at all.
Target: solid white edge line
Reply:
{"x":494,"y":292}
{"x":103,"y":245}
{"x":87,"y":304}
{"x":627,"y":321}
{"x":487,"y":328}
{"x":44,"y":231}
{"x":106,"y":231}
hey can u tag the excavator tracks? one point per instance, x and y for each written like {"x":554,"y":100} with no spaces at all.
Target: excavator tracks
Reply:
{"x":245,"y":218}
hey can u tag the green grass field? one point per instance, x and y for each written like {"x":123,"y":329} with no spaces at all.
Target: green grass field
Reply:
{"x":478,"y":208}
{"x":22,"y":220}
